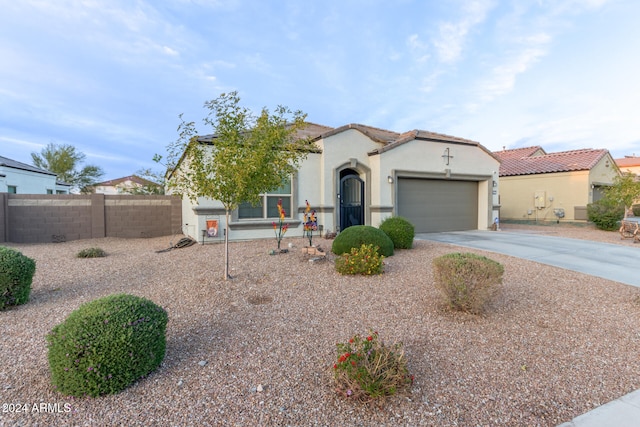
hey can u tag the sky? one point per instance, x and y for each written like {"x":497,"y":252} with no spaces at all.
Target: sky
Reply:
{"x":111,"y":77}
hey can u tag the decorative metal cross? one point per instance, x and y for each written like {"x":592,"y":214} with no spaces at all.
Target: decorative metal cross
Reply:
{"x":446,"y":155}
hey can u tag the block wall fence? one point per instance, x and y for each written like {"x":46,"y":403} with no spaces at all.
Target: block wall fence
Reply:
{"x":46,"y":218}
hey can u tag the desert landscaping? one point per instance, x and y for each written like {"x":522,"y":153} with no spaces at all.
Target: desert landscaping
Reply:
{"x":258,"y":349}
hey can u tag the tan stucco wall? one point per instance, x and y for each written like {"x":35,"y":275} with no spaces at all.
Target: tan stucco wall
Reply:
{"x":565,"y":190}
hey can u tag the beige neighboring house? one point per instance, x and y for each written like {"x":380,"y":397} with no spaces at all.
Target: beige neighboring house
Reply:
{"x":360,"y":175}
{"x":125,"y":185}
{"x":535,"y":185}
{"x":629,"y":164}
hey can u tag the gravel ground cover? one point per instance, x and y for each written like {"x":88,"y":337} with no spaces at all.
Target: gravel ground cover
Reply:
{"x":552,"y":345}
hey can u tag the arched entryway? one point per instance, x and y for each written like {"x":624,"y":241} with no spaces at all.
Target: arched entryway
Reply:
{"x":351,"y":199}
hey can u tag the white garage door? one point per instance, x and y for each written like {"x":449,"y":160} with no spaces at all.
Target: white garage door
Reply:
{"x":434,"y":205}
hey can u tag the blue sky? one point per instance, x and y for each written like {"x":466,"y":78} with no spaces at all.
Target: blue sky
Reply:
{"x":111,"y":76}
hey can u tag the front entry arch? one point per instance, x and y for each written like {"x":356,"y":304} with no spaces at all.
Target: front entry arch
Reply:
{"x":351,"y":199}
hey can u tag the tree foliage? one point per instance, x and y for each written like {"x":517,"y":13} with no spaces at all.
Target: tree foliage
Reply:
{"x":245,"y":156}
{"x":625,"y":190}
{"x":64,"y":161}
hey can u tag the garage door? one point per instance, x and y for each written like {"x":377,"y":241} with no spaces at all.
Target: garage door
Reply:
{"x":436,"y":205}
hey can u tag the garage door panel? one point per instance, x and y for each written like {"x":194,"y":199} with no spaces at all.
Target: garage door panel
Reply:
{"x":438,"y":205}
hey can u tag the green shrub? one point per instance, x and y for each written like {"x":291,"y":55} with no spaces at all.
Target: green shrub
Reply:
{"x":400,"y":231}
{"x":358,"y":235}
{"x":106,"y":345}
{"x":636,"y":210}
{"x":366,"y":369}
{"x":466,"y":281}
{"x":364,"y":260}
{"x":91,"y":253}
{"x":605,"y":214}
{"x":16,"y":275}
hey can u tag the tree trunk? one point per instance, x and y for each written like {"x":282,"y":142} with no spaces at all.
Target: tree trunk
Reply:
{"x":226,"y":245}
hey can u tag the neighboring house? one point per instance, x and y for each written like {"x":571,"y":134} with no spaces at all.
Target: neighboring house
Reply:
{"x":21,"y":178}
{"x":361,"y":175}
{"x":629,"y":164}
{"x":535,"y":185}
{"x":127,"y":185}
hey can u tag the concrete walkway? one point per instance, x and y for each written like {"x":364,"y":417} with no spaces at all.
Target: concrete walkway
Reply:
{"x":604,"y":260}
{"x":613,"y":262}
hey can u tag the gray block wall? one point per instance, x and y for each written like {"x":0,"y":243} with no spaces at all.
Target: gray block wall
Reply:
{"x":30,"y":218}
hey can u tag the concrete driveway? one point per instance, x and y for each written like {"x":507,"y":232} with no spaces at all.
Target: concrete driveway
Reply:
{"x":613,"y":262}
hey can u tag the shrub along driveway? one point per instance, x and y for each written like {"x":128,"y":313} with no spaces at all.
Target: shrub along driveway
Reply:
{"x":609,"y":261}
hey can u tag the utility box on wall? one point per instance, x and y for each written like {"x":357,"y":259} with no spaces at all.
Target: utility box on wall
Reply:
{"x":539,"y":199}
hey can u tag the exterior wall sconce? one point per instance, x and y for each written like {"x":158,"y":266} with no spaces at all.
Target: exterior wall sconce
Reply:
{"x":390,"y":179}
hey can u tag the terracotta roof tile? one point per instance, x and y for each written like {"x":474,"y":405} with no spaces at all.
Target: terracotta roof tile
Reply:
{"x":628,"y":161}
{"x":518,"y":153}
{"x":563,"y":161}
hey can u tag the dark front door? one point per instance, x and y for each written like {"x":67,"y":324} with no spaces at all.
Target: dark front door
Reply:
{"x":351,"y":201}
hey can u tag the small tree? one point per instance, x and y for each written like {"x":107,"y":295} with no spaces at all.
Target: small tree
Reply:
{"x":64,"y":161}
{"x":246,"y":155}
{"x":625,"y":190}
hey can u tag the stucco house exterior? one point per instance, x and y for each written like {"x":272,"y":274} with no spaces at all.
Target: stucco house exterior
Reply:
{"x":360,"y":175}
{"x":124,"y":185}
{"x":20,"y":178}
{"x":629,"y":164}
{"x":535,"y":185}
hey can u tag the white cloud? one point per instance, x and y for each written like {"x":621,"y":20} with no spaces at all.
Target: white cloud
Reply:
{"x":22,"y":142}
{"x":503,"y":77}
{"x":169,"y":51}
{"x":418,"y":48}
{"x":452,"y":35}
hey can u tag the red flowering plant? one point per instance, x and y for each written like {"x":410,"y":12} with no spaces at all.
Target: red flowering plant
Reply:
{"x":310,"y":222}
{"x":280,"y":228}
{"x":366,"y":369}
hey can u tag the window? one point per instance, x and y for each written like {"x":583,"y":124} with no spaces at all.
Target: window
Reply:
{"x":268,"y":205}
{"x":49,"y":191}
{"x":12,"y":189}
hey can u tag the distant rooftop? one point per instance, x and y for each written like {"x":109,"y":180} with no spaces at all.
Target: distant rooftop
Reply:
{"x":4,"y":161}
{"x":533,"y":160}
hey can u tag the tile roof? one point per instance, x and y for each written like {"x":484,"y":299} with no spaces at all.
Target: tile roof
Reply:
{"x":132,"y":178}
{"x":4,"y":161}
{"x":425,"y":136}
{"x":563,"y":161}
{"x":386,"y":138}
{"x":376,"y":134}
{"x":518,"y":153}
{"x":628,"y":161}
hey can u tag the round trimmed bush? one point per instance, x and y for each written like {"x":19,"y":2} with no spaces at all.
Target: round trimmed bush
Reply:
{"x":358,"y":235}
{"x":106,"y":345}
{"x":16,"y":275}
{"x":605,"y":214}
{"x":400,"y":231}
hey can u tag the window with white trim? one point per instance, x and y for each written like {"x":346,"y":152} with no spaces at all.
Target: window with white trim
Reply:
{"x":267,"y":208}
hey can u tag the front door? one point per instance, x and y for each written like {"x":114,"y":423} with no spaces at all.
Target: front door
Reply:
{"x":351,"y":201}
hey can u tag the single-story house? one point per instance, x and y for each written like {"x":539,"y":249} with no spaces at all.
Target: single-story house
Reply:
{"x":629,"y":164}
{"x":535,"y":185}
{"x":21,"y":178}
{"x":361,"y":175}
{"x":125,"y":185}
